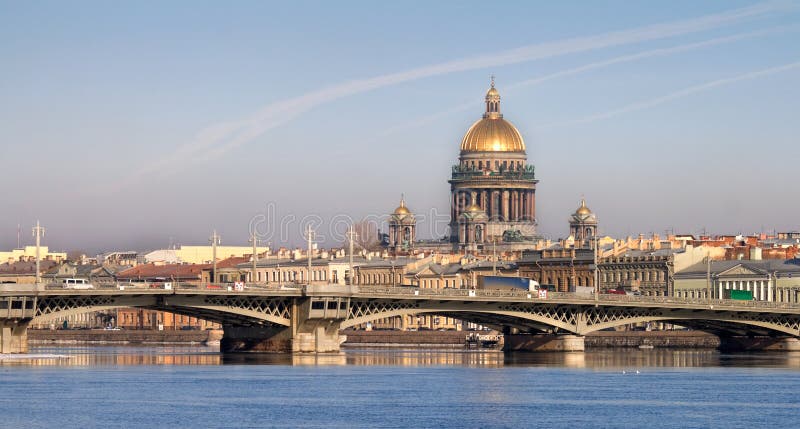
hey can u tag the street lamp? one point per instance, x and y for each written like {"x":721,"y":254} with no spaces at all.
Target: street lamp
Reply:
{"x":310,"y":237}
{"x":215,"y":239}
{"x":494,"y":255}
{"x":38,"y":232}
{"x":708,"y":277}
{"x":351,"y":235}
{"x":254,"y":240}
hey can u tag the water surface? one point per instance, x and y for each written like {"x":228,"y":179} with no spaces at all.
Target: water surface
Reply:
{"x":199,"y":387}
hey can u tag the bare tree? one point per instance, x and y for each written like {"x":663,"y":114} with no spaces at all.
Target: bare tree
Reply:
{"x":367,"y":236}
{"x":75,"y":256}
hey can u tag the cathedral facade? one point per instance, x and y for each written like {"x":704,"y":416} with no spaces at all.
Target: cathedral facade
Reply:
{"x":492,"y":188}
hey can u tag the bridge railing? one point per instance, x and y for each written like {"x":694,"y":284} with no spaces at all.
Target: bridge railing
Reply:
{"x":225,"y":286}
{"x":522,"y":294}
{"x":446,"y":292}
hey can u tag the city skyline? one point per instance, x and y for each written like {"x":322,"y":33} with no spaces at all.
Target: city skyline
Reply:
{"x":665,"y":117}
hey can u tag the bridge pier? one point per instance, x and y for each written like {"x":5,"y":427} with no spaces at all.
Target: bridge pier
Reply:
{"x":13,"y":336}
{"x":307,"y":338}
{"x":314,"y":327}
{"x":543,"y":342}
{"x":747,"y":344}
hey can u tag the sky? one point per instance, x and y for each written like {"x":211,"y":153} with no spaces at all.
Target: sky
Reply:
{"x":136,"y":125}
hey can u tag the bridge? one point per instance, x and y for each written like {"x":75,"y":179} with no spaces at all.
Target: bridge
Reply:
{"x":310,"y":318}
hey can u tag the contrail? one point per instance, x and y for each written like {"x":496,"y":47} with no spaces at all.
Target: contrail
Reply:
{"x":220,"y":138}
{"x":596,"y":65}
{"x":654,"y":53}
{"x":675,"y":95}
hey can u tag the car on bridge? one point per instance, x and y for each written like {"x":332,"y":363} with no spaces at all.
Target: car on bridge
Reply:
{"x":76,"y":284}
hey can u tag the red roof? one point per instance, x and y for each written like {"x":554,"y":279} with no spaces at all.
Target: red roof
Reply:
{"x":168,"y":271}
{"x":232,"y":262}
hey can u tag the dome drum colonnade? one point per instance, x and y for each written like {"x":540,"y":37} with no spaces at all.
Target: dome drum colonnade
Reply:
{"x":493,"y":189}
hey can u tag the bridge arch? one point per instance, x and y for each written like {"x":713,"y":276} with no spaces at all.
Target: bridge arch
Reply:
{"x":240,"y":310}
{"x":739,"y":323}
{"x":561,"y":317}
{"x":577,"y":319}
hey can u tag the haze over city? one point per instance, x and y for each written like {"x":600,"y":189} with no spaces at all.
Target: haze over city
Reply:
{"x":137,"y":125}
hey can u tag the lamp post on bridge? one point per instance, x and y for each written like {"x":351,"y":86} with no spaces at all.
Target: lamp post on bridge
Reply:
{"x":596,"y":268}
{"x":38,"y":232}
{"x":494,"y":255}
{"x":708,"y":278}
{"x":351,"y":235}
{"x":215,"y":239}
{"x":310,"y":237}
{"x":254,"y":240}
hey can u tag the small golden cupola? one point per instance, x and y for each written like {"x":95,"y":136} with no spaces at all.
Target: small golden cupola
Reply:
{"x":402,"y":228}
{"x":583,"y":210}
{"x":583,"y":225}
{"x":402,"y":209}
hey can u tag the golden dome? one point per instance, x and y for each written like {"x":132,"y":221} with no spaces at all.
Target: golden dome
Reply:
{"x":492,"y":133}
{"x":402,"y":209}
{"x":583,"y":210}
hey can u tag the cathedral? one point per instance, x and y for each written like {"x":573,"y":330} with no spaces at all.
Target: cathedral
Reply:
{"x":492,"y":188}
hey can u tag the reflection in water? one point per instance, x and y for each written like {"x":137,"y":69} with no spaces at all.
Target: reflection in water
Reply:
{"x":635,"y":358}
{"x":593,"y":359}
{"x":107,"y":356}
{"x":425,"y":358}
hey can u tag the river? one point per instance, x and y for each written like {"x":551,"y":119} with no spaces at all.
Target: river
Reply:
{"x":191,"y":387}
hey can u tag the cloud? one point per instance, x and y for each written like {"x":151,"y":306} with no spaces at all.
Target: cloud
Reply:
{"x":218,"y":139}
{"x":646,"y":104}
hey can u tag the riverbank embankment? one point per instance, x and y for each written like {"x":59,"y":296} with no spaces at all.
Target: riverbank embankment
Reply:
{"x":385,"y":339}
{"x":103,"y":336}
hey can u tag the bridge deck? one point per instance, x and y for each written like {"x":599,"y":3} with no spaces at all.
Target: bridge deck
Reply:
{"x":413,"y":294}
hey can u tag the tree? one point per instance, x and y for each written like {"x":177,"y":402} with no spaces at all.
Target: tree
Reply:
{"x":75,"y":256}
{"x":367,"y":236}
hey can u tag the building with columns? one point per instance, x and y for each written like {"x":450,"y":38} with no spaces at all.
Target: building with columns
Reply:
{"x":775,"y":280}
{"x":492,"y":175}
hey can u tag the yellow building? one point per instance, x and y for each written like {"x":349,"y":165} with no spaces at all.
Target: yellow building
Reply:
{"x":200,"y":254}
{"x":29,"y":254}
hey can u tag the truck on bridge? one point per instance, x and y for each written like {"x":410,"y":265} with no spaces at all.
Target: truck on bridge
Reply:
{"x":507,"y":283}
{"x":741,"y":295}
